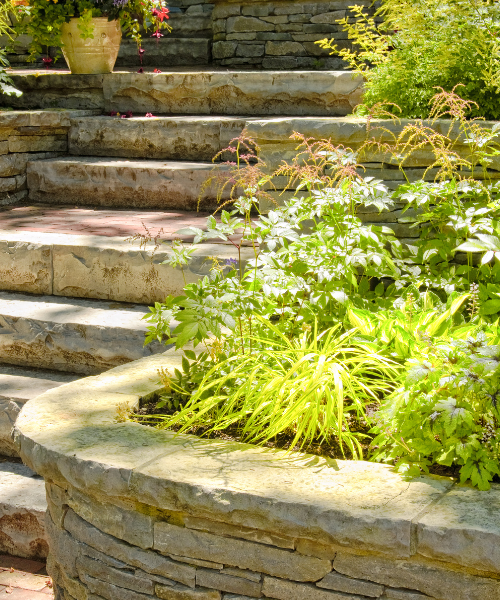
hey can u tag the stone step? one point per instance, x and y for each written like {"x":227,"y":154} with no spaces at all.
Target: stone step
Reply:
{"x":22,"y":514}
{"x":75,"y":336}
{"x":17,"y":386}
{"x":91,"y":181}
{"x":197,"y":138}
{"x":192,"y":91}
{"x":100,"y":267}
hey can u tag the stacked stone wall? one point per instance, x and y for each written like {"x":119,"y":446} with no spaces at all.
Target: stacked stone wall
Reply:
{"x":140,"y":514}
{"x":280,"y":34}
{"x":28,"y":136}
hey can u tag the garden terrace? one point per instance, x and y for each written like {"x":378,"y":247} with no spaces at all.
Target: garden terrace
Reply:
{"x":151,"y":514}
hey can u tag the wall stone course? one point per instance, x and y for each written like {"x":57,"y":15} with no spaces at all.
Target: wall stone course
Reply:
{"x":243,"y":554}
{"x":433,"y":581}
{"x":119,"y":578}
{"x":247,"y":24}
{"x":110,"y":591}
{"x":402,"y":594}
{"x":227,"y":530}
{"x":183,"y":593}
{"x":151,"y":562}
{"x":228,"y":583}
{"x":281,"y":589}
{"x":341,"y":583}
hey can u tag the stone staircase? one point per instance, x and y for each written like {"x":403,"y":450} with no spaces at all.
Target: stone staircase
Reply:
{"x":73,"y":290}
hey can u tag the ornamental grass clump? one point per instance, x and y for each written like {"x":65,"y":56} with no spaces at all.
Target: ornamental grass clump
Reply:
{"x":311,"y":387}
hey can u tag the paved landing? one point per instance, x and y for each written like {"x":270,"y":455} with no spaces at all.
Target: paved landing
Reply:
{"x":98,"y":221}
{"x":24,"y":579}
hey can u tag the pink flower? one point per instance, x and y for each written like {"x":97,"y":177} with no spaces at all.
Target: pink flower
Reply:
{"x":140,"y":70}
{"x":157,"y":34}
{"x":129,"y":114}
{"x":149,"y":115}
{"x":47,"y":61}
{"x":157,"y":71}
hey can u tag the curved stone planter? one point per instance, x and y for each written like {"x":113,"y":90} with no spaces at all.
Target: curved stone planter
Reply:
{"x":140,"y":514}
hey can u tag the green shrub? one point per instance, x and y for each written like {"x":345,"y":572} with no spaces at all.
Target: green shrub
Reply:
{"x":424,"y":44}
{"x":447,"y":411}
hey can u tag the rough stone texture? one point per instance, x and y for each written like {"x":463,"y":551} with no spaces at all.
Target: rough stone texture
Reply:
{"x":174,"y":138}
{"x":17,"y":386}
{"x":228,"y":583}
{"x":25,"y":266}
{"x":253,"y":535}
{"x":148,"y":561}
{"x":465,"y":529}
{"x":340,"y":583}
{"x":183,"y":593}
{"x":247,"y":555}
{"x":434,"y":581}
{"x":232,"y":92}
{"x":79,"y":336}
{"x":122,"y":183}
{"x":122,"y":579}
{"x":165,"y":53}
{"x":92,"y":266}
{"x":281,"y":589}
{"x":22,"y":512}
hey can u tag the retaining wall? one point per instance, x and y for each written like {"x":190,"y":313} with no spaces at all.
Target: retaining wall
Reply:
{"x":141,"y":514}
{"x":28,"y":136}
{"x":280,"y":34}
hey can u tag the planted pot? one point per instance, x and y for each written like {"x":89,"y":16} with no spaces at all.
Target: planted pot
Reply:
{"x":91,"y":55}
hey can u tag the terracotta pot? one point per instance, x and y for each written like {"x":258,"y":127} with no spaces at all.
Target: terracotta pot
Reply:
{"x":92,"y":55}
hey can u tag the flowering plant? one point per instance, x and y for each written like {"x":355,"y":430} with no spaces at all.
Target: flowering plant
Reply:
{"x":46,"y":18}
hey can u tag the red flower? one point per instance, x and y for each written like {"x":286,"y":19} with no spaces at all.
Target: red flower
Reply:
{"x":157,"y":71}
{"x":129,"y":114}
{"x":157,"y":34}
{"x":162,"y":14}
{"x":47,"y":61}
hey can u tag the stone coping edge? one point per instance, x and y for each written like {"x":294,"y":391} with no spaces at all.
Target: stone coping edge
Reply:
{"x":72,"y":435}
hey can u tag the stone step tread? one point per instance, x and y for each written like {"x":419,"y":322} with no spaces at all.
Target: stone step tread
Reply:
{"x":22,"y":512}
{"x":104,"y":181}
{"x":71,"y":335}
{"x":20,"y":384}
{"x":72,"y":311}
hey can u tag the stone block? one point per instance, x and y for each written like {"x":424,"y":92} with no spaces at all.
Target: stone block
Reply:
{"x":181,"y":138}
{"x":244,"y":37}
{"x":25,"y":266}
{"x":239,"y":553}
{"x":434,"y":581}
{"x":275,"y":37}
{"x":223,"y":11}
{"x":244,"y":573}
{"x":289,"y":9}
{"x":402,"y":594}
{"x":320,"y":28}
{"x":250,"y":24}
{"x":228,"y":583}
{"x":71,"y":586}
{"x":341,"y":583}
{"x":279,"y":62}
{"x":228,"y":530}
{"x":288,"y":28}
{"x":219,"y":26}
{"x":312,"y":548}
{"x":148,"y":561}
{"x":463,"y":528}
{"x":257,"y":10}
{"x":331,"y":18}
{"x":299,"y":18}
{"x":207,"y":564}
{"x":15,"y":164}
{"x":7,"y":184}
{"x":281,"y":589}
{"x":4,"y":147}
{"x":120,"y":578}
{"x":180,"y":592}
{"x":277,"y":19}
{"x":65,"y":550}
{"x":224,"y":49}
{"x":38,"y":143}
{"x":128,"y":525}
{"x":110,"y":591}
{"x":250,"y":50}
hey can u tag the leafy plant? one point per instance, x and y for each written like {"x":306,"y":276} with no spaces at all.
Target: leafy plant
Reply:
{"x":409,"y":47}
{"x":6,"y":31}
{"x":447,"y":411}
{"x":310,"y":387}
{"x":42,"y":20}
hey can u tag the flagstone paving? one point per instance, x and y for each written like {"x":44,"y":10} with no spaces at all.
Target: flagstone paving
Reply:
{"x":24,"y":579}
